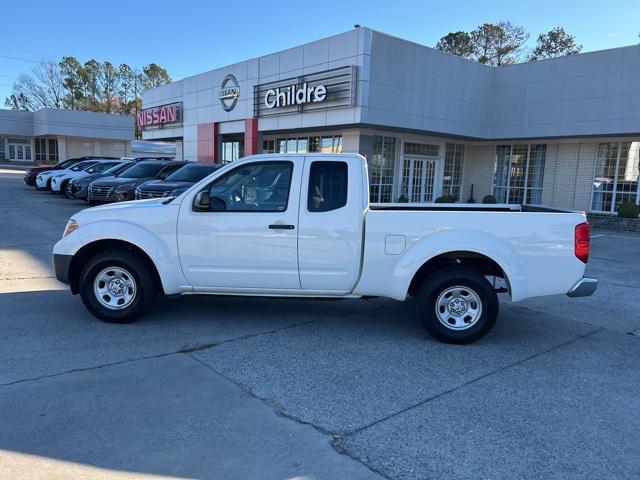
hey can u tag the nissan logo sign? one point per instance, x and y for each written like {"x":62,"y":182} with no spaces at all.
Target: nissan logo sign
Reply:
{"x":229,"y":92}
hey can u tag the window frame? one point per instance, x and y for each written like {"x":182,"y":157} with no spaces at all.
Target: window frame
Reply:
{"x":207,"y":187}
{"x":614,"y":192}
{"x":507,"y":187}
{"x":346,"y":184}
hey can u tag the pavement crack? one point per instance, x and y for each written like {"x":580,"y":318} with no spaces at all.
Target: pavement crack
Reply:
{"x":280,"y":411}
{"x":86,"y":369}
{"x":471,"y":382}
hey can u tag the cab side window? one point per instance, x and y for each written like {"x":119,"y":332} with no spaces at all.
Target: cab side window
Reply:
{"x":328,"y":186}
{"x":257,"y":187}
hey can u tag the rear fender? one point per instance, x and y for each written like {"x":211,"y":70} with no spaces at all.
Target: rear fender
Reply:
{"x":455,"y":241}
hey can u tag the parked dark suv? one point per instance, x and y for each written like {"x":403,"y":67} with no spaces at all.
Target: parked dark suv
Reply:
{"x":177,"y":182}
{"x":79,"y":187}
{"x":122,"y":188}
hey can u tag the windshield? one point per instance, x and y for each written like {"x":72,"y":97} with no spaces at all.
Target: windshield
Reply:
{"x":119,"y":168}
{"x":67,"y":163}
{"x":191,"y":173}
{"x":101,"y":167}
{"x":143,"y":170}
{"x":83,"y":165}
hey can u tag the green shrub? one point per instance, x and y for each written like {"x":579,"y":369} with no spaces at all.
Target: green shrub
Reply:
{"x":446,"y":199}
{"x":628,"y":210}
{"x":489,"y":199}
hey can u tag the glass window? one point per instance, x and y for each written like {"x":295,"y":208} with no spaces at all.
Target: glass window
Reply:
{"x":232,"y":150}
{"x":192,"y":173}
{"x":327,"y":186}
{"x":2,"y":152}
{"x":329,"y":144}
{"x":422,"y":149}
{"x":616,"y":176}
{"x":381,"y":169}
{"x":144,"y":170}
{"x":258,"y":187}
{"x":453,"y":166}
{"x":40,"y":149}
{"x":314,"y":144}
{"x":12,"y":151}
{"x":53,"y":150}
{"x":518,"y":173}
{"x":268,"y":146}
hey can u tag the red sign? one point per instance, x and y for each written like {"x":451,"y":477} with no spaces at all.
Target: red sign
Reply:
{"x":160,"y":116}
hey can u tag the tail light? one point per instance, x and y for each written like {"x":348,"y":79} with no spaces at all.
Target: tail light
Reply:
{"x":581,"y":242}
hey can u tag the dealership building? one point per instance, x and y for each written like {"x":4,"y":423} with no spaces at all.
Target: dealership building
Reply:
{"x":562,"y":132}
{"x":51,"y":135}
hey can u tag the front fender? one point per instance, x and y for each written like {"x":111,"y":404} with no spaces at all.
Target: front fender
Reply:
{"x":162,"y":252}
{"x":456,"y":240}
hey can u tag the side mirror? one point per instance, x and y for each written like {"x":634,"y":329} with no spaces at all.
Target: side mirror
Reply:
{"x":202,"y":202}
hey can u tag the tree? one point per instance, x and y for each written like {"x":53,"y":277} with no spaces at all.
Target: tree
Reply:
{"x":69,"y":69}
{"x":492,"y":44}
{"x":498,"y":44}
{"x":457,"y":43}
{"x":43,"y":88}
{"x":93,"y":86}
{"x":108,"y":82}
{"x":153,"y":76}
{"x":555,"y":43}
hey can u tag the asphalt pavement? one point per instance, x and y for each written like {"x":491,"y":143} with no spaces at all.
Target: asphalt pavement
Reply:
{"x":235,"y":388}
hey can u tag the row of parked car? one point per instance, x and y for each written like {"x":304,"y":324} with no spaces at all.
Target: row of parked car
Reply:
{"x":111,"y":179}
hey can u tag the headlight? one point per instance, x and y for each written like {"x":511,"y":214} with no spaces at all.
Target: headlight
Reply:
{"x":72,"y":226}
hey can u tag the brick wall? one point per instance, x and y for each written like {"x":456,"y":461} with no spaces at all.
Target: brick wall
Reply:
{"x":568,"y":175}
{"x":478,"y":170}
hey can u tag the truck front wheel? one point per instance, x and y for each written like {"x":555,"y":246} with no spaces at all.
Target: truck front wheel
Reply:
{"x":117,"y":286}
{"x":457,"y":305}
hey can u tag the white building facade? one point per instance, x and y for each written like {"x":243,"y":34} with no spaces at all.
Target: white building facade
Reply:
{"x":52,"y":135}
{"x":561,"y":132}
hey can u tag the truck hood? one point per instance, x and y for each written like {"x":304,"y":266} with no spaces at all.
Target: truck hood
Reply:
{"x":135,"y":211}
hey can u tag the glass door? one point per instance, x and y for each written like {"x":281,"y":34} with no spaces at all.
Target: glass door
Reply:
{"x":418,"y":179}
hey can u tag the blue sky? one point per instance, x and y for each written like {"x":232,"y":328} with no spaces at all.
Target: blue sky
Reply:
{"x":189,"y":37}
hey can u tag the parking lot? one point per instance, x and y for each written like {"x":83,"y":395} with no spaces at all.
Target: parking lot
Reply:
{"x":230,"y":387}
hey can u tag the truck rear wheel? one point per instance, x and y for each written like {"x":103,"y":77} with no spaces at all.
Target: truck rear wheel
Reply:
{"x":457,"y":305}
{"x":117,"y":286}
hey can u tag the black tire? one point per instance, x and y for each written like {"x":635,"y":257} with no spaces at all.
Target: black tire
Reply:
{"x":146,"y":286}
{"x":479,"y":289}
{"x":63,"y":187}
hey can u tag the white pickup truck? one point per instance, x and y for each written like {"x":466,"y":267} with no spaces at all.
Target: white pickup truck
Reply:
{"x":302,"y":225}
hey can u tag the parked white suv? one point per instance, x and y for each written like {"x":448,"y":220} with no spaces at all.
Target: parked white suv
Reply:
{"x":302,"y":225}
{"x":59,"y":181}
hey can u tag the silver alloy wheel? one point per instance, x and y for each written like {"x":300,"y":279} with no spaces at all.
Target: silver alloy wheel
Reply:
{"x":458,"y":308}
{"x":115,"y":288}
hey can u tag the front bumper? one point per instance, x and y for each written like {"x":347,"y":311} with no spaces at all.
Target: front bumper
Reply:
{"x":583,"y":287}
{"x":61,"y":264}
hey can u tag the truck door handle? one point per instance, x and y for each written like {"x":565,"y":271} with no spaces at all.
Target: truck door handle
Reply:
{"x":281,"y":226}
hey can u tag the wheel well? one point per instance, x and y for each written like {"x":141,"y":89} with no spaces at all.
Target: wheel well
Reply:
{"x":483,"y":264}
{"x":86,"y":252}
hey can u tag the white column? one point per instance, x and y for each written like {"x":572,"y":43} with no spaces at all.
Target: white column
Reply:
{"x":62,"y":148}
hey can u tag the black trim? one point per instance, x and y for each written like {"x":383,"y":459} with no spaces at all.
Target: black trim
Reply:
{"x":393,"y":129}
{"x":61,"y":264}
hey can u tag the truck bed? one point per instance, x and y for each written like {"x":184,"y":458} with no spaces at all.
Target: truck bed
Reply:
{"x":465,"y":207}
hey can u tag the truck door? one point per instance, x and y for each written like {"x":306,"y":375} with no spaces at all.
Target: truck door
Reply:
{"x":247,"y":238}
{"x":330,"y":224}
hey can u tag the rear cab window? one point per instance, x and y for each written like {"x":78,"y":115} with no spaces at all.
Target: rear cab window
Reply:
{"x":328,"y":186}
